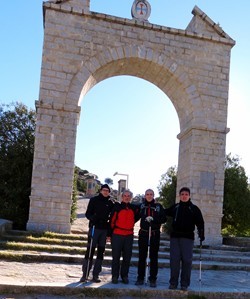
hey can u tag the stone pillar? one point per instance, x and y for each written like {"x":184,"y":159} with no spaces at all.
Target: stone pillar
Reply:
{"x":53,"y":169}
{"x":201,"y":167}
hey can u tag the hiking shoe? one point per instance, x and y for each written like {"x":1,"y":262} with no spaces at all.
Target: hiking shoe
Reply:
{"x":184,"y":288}
{"x":172,"y":287}
{"x":96,"y":279}
{"x":139,"y":282}
{"x":114,"y":280}
{"x":152,"y":284}
{"x":125,"y":280}
{"x":83,"y":278}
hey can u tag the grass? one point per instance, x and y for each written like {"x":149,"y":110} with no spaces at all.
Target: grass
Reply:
{"x":9,"y":245}
{"x":232,"y":232}
{"x":51,"y":235}
{"x":45,"y":240}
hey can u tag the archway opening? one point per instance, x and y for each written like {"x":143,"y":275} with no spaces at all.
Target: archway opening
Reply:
{"x":127,"y":125}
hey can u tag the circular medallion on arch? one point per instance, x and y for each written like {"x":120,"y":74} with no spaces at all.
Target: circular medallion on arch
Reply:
{"x":141,"y":10}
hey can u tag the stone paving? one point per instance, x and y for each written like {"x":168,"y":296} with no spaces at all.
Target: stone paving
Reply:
{"x":67,"y":275}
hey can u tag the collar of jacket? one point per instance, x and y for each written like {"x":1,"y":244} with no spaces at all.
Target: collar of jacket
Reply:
{"x":103,"y":197}
{"x":125,"y":204}
{"x":147,"y":203}
{"x":187,"y":203}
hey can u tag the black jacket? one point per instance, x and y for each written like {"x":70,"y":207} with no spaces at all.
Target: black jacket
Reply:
{"x":98,"y":211}
{"x":186,"y":216}
{"x":154,"y":210}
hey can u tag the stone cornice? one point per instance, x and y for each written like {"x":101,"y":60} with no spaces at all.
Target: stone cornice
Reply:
{"x":201,"y":128}
{"x":59,"y":107}
{"x":146,"y":25}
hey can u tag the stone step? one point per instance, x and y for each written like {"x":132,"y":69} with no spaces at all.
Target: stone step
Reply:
{"x":82,"y":237}
{"x":29,"y":256}
{"x":78,"y":239}
{"x":81,"y":241}
{"x":80,"y":250}
{"x":25,"y":246}
{"x":45,"y":256}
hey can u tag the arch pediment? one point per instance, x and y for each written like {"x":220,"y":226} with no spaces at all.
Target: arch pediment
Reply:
{"x":202,"y":24}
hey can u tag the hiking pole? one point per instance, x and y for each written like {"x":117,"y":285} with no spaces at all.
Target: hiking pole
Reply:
{"x":90,"y":249}
{"x":148,"y":264}
{"x":200,"y":268}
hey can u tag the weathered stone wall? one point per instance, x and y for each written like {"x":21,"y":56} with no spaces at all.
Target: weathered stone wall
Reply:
{"x":190,"y":66}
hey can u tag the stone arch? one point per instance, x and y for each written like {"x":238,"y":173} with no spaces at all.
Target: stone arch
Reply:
{"x":190,"y":66}
{"x":121,"y":61}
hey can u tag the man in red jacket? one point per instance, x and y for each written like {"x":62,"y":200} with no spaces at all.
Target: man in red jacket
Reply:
{"x":123,"y":218}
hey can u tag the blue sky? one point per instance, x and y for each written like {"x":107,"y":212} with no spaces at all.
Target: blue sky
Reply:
{"x":127,"y":124}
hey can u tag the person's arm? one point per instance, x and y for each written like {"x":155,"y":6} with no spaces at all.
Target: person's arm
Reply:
{"x":111,"y":224}
{"x":160,"y":216}
{"x":136,"y":209}
{"x":163,"y":216}
{"x":90,"y":212}
{"x":169,"y":211}
{"x":199,"y":222}
{"x":113,"y":218}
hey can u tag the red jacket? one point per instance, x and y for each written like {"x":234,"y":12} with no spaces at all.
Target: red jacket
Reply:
{"x":123,"y":218}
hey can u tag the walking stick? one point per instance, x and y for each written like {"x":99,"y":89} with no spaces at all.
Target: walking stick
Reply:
{"x":200,"y":268}
{"x":90,"y":249}
{"x":148,"y":264}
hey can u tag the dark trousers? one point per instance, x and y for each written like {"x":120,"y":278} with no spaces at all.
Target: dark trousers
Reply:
{"x":153,"y":254}
{"x":181,"y":255}
{"x":99,"y":241}
{"x":121,"y":246}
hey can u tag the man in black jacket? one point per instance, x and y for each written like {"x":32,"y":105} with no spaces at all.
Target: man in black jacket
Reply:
{"x":186,"y":216}
{"x":152,"y":216}
{"x":98,"y":213}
